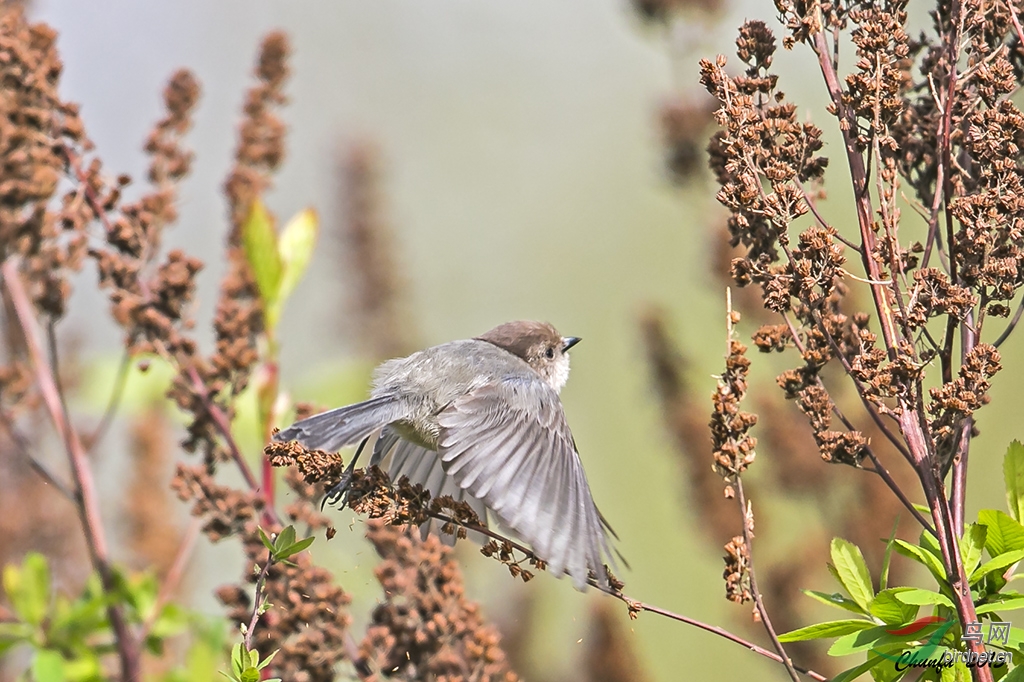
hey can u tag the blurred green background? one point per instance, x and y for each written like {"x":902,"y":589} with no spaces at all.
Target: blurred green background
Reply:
{"x":523,"y":177}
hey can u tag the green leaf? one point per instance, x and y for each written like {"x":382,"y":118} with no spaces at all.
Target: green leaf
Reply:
{"x":922,"y":556}
{"x":173,"y":620}
{"x":883,"y":580}
{"x":85,"y":668}
{"x":293,"y":549}
{"x":238,"y":664}
{"x":887,"y":606}
{"x":922,"y":597}
{"x":48,"y":666}
{"x":878,"y":637}
{"x":857,"y":671}
{"x":1004,"y":534}
{"x":15,"y":632}
{"x":1016,"y":675}
{"x":1000,"y":562}
{"x":971,"y":545}
{"x":1011,"y":604}
{"x":266,"y":661}
{"x":260,"y":244}
{"x":295,"y":248}
{"x":28,"y":588}
{"x":853,"y":571}
{"x":1013,"y":475}
{"x":833,"y":628}
{"x":250,"y":674}
{"x":286,"y":538}
{"x":836,"y":600}
{"x":929,"y":542}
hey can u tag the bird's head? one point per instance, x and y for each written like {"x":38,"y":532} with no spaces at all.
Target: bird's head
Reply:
{"x":537,"y":343}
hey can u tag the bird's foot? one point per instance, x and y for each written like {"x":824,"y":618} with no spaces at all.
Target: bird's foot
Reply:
{"x":337,"y":494}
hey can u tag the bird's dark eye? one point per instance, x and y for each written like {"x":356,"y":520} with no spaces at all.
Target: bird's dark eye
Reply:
{"x":550,"y":352}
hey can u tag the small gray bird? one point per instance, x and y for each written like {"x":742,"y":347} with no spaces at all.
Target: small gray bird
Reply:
{"x":481,"y":420}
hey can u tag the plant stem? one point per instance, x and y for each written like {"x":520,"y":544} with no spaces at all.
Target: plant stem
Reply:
{"x":86,"y":496}
{"x":637,"y":606}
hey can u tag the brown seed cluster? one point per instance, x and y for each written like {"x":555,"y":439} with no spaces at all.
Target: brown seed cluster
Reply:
{"x":373,"y":494}
{"x":761,"y":156}
{"x":425,"y":627}
{"x":238,"y":321}
{"x":894,"y":111}
{"x":149,"y":299}
{"x":260,"y":151}
{"x":35,"y":126}
{"x":308,"y":621}
{"x":954,"y":402}
{"x":732,"y":445}
{"x":737,"y":573}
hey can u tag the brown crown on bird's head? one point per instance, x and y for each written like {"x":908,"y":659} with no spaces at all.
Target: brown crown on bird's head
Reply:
{"x":539,"y":344}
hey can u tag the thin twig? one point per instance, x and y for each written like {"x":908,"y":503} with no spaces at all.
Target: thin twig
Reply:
{"x":25,"y":448}
{"x":223,"y":425}
{"x":634,"y":605}
{"x":1011,"y":326}
{"x":85,"y":493}
{"x":868,"y":407}
{"x":114,"y":402}
{"x":821,"y":221}
{"x":748,"y":540}
{"x":884,"y":474}
{"x":258,"y":602}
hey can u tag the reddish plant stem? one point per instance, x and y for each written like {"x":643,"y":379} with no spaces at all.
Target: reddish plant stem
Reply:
{"x":223,"y":425}
{"x":968,"y":335}
{"x":910,"y":420}
{"x":862,"y":197}
{"x":85,"y":494}
{"x":267,"y":396}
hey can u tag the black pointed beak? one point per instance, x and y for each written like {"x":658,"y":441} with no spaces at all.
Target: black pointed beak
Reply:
{"x":569,"y":341}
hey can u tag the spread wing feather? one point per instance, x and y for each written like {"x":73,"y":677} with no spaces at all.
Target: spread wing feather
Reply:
{"x":508,"y":444}
{"x":424,"y":466}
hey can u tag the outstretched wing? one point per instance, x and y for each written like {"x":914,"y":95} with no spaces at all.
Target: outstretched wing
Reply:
{"x":424,"y":466}
{"x":508,"y":444}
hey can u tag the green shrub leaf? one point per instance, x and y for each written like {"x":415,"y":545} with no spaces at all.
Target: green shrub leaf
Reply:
{"x":887,"y":606}
{"x":920,"y":597}
{"x":852,"y":571}
{"x":260,"y":245}
{"x":837,"y":600}
{"x":295,"y":248}
{"x":1013,"y":475}
{"x":833,"y":628}
{"x":922,"y":556}
{"x":1000,"y":562}
{"x":28,"y":588}
{"x":1004,"y":534}
{"x":971,"y":546}
{"x":48,"y":666}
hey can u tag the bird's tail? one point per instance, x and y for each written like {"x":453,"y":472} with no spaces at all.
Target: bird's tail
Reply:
{"x":334,"y":429}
